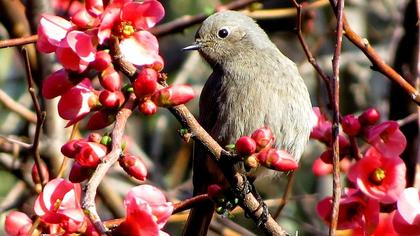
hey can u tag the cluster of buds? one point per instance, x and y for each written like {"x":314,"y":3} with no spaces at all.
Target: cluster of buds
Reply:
{"x":145,"y":87}
{"x":88,"y":154}
{"x":224,"y":200}
{"x":258,"y":149}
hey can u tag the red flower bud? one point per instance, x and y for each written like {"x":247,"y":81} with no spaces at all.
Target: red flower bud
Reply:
{"x":320,"y":168}
{"x":57,"y":84}
{"x":133,"y":166}
{"x":35,"y":173}
{"x":369,"y":117}
{"x":71,"y":148}
{"x":110,"y":79}
{"x":79,"y":173}
{"x":214,"y":190}
{"x":102,"y":61}
{"x":245,"y":145}
{"x":327,"y":156}
{"x":100,"y":120}
{"x":350,"y":125}
{"x":277,"y":160}
{"x":148,"y":107}
{"x":111,"y":99}
{"x":146,"y":83}
{"x":263,"y":138}
{"x":90,"y":154}
{"x":173,"y":95}
{"x":94,"y":137}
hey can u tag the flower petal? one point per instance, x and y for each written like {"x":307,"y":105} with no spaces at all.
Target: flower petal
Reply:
{"x":140,"y":49}
{"x":143,"y":15}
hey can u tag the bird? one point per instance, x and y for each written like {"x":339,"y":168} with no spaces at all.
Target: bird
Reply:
{"x":252,"y":85}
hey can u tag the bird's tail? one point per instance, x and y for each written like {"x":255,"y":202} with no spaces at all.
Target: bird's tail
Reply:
{"x":199,"y":219}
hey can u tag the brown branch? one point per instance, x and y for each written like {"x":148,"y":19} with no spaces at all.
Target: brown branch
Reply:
{"x":18,"y":41}
{"x":237,"y":181}
{"x":307,"y":51}
{"x":378,"y":64}
{"x":40,"y":118}
{"x":16,"y":107}
{"x":190,"y":203}
{"x":283,"y":12}
{"x":335,"y":84}
{"x":92,"y":186}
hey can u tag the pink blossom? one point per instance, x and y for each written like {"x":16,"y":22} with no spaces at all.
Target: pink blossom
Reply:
{"x":407,"y":216}
{"x":77,"y":102}
{"x":147,"y":212}
{"x":387,"y":138}
{"x":379,"y":177}
{"x":90,"y":154}
{"x":57,"y":83}
{"x":17,"y":224}
{"x":59,"y":203}
{"x":384,"y":228}
{"x":128,"y":21}
{"x":173,"y":95}
{"x":356,"y":211}
{"x":51,"y":32}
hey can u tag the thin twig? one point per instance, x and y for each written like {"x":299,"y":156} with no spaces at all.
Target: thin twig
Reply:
{"x":16,"y":107}
{"x":336,"y":116}
{"x":286,"y":194}
{"x":283,"y":12}
{"x":40,"y":115}
{"x":18,"y":41}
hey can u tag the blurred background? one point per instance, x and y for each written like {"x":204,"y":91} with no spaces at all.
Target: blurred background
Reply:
{"x":390,"y":26}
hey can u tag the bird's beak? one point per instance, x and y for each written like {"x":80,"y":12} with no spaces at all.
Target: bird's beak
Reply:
{"x":195,"y":46}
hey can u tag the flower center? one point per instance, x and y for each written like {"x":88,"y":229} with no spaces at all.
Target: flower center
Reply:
{"x":377,"y":176}
{"x":125,"y":29}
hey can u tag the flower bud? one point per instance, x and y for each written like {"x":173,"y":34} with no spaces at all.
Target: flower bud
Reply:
{"x":251,"y":161}
{"x":94,"y":137}
{"x":100,"y":120}
{"x":133,"y":166}
{"x":263,"y":138}
{"x":111,"y":99}
{"x":146,"y":83}
{"x":173,"y":95}
{"x":327,"y":156}
{"x":110,"y":79}
{"x":320,"y":168}
{"x":214,"y":191}
{"x":57,"y":84}
{"x":102,"y":61}
{"x":148,"y":108}
{"x":79,"y":173}
{"x":350,"y":125}
{"x":90,"y":154}
{"x":369,"y":117}
{"x":71,"y":148}
{"x":277,"y":160}
{"x":17,"y":223}
{"x":35,"y":173}
{"x":245,"y":145}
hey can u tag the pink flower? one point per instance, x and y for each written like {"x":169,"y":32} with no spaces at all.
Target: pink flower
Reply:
{"x":356,"y":211}
{"x":407,"y":216}
{"x":17,"y":224}
{"x":384,"y":228}
{"x":129,"y":22}
{"x":387,"y":138}
{"x":74,"y":49}
{"x":57,"y":83}
{"x":277,"y":160}
{"x":147,"y":212}
{"x":322,"y":130}
{"x":379,"y":177}
{"x":263,"y":137}
{"x":320,"y":168}
{"x":59,"y":204}
{"x":77,"y":102}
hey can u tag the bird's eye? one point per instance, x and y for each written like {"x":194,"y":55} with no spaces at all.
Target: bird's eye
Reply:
{"x":223,"y":33}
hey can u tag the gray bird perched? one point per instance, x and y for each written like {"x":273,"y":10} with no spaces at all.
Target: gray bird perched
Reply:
{"x":252,"y":85}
